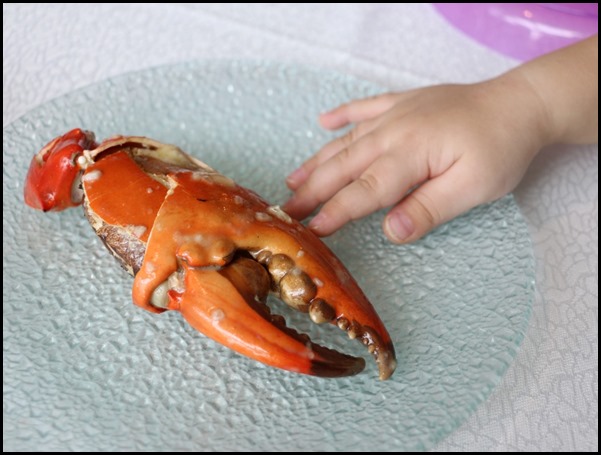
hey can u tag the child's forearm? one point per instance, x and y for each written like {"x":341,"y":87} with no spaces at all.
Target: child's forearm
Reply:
{"x":566,"y":82}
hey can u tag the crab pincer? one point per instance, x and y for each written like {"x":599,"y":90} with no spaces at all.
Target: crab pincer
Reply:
{"x":198,"y":243}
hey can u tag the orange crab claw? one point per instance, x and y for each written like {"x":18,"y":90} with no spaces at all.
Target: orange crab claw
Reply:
{"x":200,"y":244}
{"x":224,"y":306}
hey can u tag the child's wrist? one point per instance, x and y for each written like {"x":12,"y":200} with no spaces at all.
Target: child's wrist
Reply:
{"x":523,"y":103}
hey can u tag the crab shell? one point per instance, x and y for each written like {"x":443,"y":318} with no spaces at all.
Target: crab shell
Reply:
{"x":198,"y":243}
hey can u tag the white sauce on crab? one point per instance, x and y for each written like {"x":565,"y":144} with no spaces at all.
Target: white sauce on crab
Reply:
{"x":91,"y":176}
{"x":217,"y":315}
{"x":277,"y":211}
{"x":261,"y":216}
{"x":197,"y":238}
{"x":138,"y":231}
{"x":198,"y":175}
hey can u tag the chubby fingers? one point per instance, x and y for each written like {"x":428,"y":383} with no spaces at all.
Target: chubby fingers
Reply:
{"x":335,"y":173}
{"x":382,"y":184}
{"x":361,"y":112}
{"x":298,"y":178}
{"x":435,"y":202}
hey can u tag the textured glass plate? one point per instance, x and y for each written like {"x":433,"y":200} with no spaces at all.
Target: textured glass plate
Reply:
{"x":86,"y":370}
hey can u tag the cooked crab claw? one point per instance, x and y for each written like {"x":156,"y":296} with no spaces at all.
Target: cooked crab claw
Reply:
{"x":198,"y":243}
{"x":228,"y":305}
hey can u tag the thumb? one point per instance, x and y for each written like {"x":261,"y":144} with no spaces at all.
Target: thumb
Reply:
{"x":433,"y":203}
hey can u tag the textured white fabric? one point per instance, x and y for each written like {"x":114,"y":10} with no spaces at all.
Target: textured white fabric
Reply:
{"x":548,"y":399}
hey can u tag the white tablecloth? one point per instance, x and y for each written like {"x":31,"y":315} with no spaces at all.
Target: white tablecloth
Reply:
{"x":548,"y":400}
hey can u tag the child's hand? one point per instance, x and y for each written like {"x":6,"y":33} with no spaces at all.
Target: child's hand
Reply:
{"x":457,"y":145}
{"x":436,"y":152}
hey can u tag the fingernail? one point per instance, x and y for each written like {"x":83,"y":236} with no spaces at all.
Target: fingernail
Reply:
{"x":296,"y":176}
{"x":316,"y":222}
{"x":399,"y":226}
{"x":324,"y":119}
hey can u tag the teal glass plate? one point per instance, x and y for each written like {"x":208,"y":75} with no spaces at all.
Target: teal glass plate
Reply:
{"x":84,"y":369}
